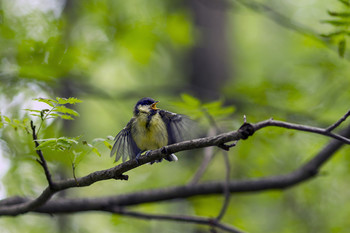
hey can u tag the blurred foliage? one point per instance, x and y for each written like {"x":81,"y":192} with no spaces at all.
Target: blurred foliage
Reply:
{"x":341,"y":21}
{"x":204,"y":113}
{"x":112,"y":53}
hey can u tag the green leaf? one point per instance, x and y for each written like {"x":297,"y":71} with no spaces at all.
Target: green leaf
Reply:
{"x":50,"y":102}
{"x":70,"y":140}
{"x":95,"y":150}
{"x":62,"y":143}
{"x":17,"y":122}
{"x":345,"y":2}
{"x":342,"y":47}
{"x":78,"y":156}
{"x":37,"y":115}
{"x":211,"y":105}
{"x":190,"y":100}
{"x":71,"y":100}
{"x":337,"y":22}
{"x":54,"y":115}
{"x":65,"y":110}
{"x":32,"y":110}
{"x":104,"y":141}
{"x":216,"y":109}
{"x":66,"y":117}
{"x":107,"y":144}
{"x":336,"y":33}
{"x":46,"y":143}
{"x":8,"y":120}
{"x":339,"y":14}
{"x":223,"y":112}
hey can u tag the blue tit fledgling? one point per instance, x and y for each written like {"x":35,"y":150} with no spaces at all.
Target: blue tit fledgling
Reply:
{"x":150,"y":128}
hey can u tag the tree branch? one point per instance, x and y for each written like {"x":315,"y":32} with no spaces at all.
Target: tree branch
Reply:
{"x":226,"y":188}
{"x":298,"y":127}
{"x":307,"y":171}
{"x":42,"y":160}
{"x":208,"y":155}
{"x":178,"y":218}
{"x":336,"y":124}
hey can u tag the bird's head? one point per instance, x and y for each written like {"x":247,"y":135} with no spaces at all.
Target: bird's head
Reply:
{"x":145,"y":105}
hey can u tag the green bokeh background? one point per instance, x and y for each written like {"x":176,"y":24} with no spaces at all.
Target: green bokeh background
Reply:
{"x":111,"y":53}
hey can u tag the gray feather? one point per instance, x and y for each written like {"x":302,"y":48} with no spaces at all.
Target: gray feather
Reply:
{"x":125,"y":145}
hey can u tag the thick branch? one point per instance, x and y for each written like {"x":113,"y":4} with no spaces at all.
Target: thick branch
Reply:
{"x":275,"y":182}
{"x":117,"y":171}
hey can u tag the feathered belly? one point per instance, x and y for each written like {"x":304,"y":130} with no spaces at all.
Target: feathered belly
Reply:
{"x":152,"y":137}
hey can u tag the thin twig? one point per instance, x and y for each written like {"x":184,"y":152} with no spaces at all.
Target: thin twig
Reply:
{"x":226,"y":187}
{"x":177,"y":218}
{"x":43,"y":118}
{"x":298,"y":127}
{"x":74,"y":176}
{"x":42,"y":160}
{"x":208,"y":155}
{"x":336,"y":124}
{"x":226,"y":190}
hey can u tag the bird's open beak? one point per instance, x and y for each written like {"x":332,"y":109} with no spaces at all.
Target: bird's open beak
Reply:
{"x":154,"y":105}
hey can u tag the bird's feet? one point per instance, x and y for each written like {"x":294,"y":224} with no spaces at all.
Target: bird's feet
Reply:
{"x":140,"y":153}
{"x":152,"y":162}
{"x":138,"y":156}
{"x":147,"y":152}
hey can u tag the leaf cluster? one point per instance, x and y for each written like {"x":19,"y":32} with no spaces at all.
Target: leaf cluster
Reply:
{"x":341,"y":21}
{"x":59,"y":144}
{"x":71,"y":144}
{"x":57,"y":108}
{"x":198,"y":110}
{"x":14,"y":123}
{"x":79,"y":155}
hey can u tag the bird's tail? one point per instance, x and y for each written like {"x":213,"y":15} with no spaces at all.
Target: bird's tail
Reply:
{"x":169,"y":158}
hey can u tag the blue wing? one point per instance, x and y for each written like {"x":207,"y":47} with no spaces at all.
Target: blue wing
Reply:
{"x":125,"y":145}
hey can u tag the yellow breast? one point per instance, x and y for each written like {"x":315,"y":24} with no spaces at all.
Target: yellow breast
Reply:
{"x":152,"y":137}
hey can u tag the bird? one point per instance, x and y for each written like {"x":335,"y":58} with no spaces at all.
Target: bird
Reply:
{"x":150,"y":128}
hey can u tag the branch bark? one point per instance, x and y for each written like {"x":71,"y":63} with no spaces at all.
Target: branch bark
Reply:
{"x":310,"y":169}
{"x":182,"y":218}
{"x":42,"y":160}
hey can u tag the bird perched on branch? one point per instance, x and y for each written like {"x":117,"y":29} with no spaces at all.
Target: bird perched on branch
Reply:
{"x":150,"y":128}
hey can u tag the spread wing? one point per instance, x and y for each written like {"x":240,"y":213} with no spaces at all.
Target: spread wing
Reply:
{"x":178,"y":126}
{"x":125,"y":145}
